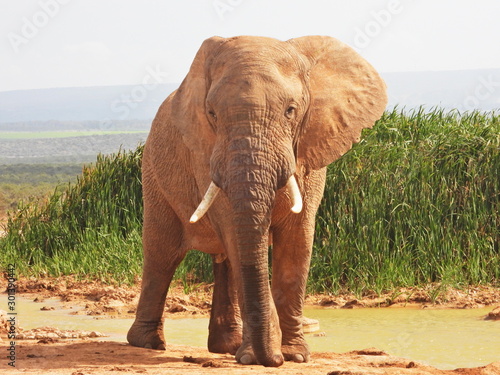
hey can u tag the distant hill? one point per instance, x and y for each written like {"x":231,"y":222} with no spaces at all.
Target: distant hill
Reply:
{"x":80,"y":149}
{"x":106,"y":103}
{"x":78,"y":126}
{"x":463,"y":90}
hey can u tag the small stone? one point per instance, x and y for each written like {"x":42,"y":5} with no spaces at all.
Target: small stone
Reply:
{"x":212,"y":363}
{"x":352,"y":304}
{"x":47,"y":341}
{"x":176,"y":308}
{"x":327,"y":302}
{"x":84,"y":334}
{"x":494,"y":314}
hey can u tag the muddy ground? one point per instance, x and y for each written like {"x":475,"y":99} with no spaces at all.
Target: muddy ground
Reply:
{"x":99,"y":298}
{"x":111,"y":358}
{"x":84,"y":355}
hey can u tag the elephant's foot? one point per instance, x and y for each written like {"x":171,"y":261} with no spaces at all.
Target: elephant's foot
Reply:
{"x":298,"y":351}
{"x":147,"y":335}
{"x":246,"y":356}
{"x":224,"y":340}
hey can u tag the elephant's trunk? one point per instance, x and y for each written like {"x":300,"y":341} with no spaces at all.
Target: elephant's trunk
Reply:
{"x":250,"y":162}
{"x":252,"y":220}
{"x":253,"y":173}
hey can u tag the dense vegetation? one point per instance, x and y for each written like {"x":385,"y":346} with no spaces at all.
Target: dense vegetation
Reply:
{"x":30,"y":182}
{"x":91,"y":228}
{"x":417,"y":201}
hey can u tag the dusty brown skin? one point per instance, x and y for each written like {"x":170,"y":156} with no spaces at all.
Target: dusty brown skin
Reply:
{"x":251,"y":113}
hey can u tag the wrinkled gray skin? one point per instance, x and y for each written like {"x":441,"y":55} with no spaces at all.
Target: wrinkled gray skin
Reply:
{"x":250,"y":113}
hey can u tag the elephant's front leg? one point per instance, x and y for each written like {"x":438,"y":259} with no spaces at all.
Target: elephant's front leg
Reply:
{"x":291,"y":258}
{"x":162,"y":254}
{"x":225,"y":328}
{"x":292,"y":247}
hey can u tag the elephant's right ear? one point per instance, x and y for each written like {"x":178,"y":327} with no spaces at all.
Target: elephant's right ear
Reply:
{"x":347,"y":95}
{"x":188,"y":102}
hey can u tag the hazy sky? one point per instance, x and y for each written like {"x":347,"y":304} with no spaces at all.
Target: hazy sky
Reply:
{"x":65,"y":43}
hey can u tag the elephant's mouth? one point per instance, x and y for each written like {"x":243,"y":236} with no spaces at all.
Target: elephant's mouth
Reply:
{"x":213,"y":190}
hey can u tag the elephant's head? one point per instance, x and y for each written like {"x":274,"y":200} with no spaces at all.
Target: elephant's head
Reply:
{"x":257,"y":109}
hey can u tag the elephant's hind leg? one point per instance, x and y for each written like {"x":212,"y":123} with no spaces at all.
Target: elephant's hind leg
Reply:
{"x":225,"y":328}
{"x":162,"y":236}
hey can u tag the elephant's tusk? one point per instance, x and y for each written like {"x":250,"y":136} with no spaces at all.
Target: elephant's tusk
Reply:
{"x":206,"y":202}
{"x":293,"y":190}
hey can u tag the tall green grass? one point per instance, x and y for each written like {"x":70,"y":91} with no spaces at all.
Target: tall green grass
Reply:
{"x":90,"y":228}
{"x":417,"y":201}
{"x":28,"y":181}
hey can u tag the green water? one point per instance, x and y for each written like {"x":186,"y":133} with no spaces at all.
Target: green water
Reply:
{"x":446,"y":339}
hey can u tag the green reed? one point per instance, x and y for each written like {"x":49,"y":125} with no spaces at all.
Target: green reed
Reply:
{"x":91,"y":227}
{"x":417,"y":201}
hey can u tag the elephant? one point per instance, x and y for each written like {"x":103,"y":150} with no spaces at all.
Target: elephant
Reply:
{"x":235,"y":165}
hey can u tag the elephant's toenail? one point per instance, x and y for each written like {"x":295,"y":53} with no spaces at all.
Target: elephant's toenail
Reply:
{"x":299,"y":358}
{"x":246,"y":359}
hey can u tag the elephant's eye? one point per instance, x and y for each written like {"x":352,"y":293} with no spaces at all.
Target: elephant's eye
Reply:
{"x":290,"y":112}
{"x":212,"y":114}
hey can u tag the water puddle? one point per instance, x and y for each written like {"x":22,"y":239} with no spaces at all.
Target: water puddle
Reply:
{"x":446,"y":339}
{"x":188,"y":331}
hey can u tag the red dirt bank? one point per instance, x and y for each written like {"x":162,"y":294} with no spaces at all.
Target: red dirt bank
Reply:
{"x":109,"y":358}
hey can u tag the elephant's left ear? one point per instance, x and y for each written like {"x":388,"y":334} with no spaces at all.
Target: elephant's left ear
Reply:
{"x":347,"y":95}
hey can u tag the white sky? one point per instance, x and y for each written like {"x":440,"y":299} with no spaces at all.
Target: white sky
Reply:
{"x":65,"y":43}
